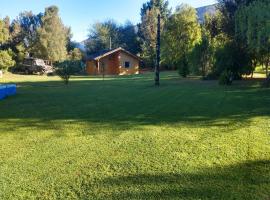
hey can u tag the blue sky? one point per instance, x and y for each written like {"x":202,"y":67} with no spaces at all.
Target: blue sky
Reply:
{"x":80,"y":14}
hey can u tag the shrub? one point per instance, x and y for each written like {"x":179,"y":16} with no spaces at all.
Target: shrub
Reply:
{"x":6,"y":60}
{"x":266,"y":83}
{"x":67,"y":68}
{"x":226,"y":78}
{"x":210,"y":76}
{"x":183,"y":67}
{"x":232,"y":58}
{"x":64,"y":73}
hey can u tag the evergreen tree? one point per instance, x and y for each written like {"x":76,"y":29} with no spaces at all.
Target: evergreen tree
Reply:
{"x":109,"y":34}
{"x":4,"y":32}
{"x":15,"y":33}
{"x":103,"y":36}
{"x":129,"y":37}
{"x":29,"y":24}
{"x":148,"y":27}
{"x":52,"y":37}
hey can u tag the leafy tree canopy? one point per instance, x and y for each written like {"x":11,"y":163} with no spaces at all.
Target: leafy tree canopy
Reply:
{"x":182,"y":33}
{"x":110,"y":34}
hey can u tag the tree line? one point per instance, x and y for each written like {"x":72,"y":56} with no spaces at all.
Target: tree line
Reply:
{"x":225,"y":46}
{"x":42,"y":36}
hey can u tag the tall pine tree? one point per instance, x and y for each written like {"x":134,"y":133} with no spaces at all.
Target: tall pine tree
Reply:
{"x":52,"y":37}
{"x":4,"y":32}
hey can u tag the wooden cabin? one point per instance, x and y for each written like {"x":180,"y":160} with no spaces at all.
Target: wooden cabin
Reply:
{"x":113,"y":62}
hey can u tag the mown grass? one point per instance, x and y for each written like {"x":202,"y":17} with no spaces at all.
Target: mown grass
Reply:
{"x":122,"y":138}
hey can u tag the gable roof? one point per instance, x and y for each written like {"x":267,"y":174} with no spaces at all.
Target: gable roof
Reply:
{"x":104,"y":53}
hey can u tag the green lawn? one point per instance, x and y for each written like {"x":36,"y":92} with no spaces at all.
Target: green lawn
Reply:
{"x":122,"y":138}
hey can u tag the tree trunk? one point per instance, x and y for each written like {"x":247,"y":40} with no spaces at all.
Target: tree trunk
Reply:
{"x":1,"y":74}
{"x":267,"y":81}
{"x":254,"y":65}
{"x":267,"y":67}
{"x":157,"y":68}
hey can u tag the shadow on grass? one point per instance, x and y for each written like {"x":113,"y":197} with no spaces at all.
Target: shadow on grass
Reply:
{"x":246,"y":181}
{"x":126,"y":103}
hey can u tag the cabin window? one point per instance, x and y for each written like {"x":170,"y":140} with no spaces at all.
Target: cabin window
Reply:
{"x":127,"y":64}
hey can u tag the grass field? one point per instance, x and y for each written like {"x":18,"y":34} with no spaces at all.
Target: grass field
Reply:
{"x":122,"y":138}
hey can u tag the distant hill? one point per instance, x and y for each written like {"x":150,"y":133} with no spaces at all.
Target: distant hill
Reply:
{"x":201,"y":11}
{"x":81,"y":45}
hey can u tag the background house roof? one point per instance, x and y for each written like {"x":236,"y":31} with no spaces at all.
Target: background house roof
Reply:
{"x":104,"y":53}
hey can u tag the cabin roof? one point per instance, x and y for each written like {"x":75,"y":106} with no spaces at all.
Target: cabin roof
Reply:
{"x":104,"y":53}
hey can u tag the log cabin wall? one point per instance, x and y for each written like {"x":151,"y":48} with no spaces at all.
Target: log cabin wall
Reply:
{"x":133,"y":64}
{"x":91,"y":67}
{"x":118,"y":63}
{"x":111,"y":64}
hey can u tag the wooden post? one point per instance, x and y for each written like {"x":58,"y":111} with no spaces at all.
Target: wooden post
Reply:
{"x":157,"y":68}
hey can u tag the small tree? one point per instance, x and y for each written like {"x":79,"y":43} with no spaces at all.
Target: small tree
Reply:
{"x":67,"y":68}
{"x":183,"y":66}
{"x":64,"y":73}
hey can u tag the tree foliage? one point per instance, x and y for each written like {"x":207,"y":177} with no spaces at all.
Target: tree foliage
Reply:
{"x":231,"y":58}
{"x":67,"y":68}
{"x":52,"y":37}
{"x":22,"y":34}
{"x":182,"y":33}
{"x":228,"y":9}
{"x":202,"y":56}
{"x":129,"y":38}
{"x":103,"y":36}
{"x":213,"y":24}
{"x":148,"y":27}
{"x":109,"y":34}
{"x":29,"y":23}
{"x":253,"y":27}
{"x":6,"y":60}
{"x":4,"y":32}
{"x":75,"y":54}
